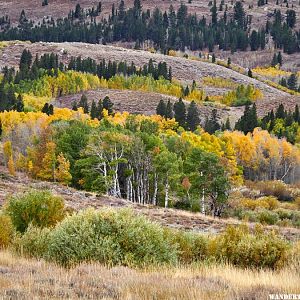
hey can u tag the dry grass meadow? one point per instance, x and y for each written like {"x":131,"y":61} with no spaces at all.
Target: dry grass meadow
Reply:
{"x":31,"y":279}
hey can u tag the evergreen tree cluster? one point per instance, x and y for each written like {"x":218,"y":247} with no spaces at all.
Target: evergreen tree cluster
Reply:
{"x":4,"y":22}
{"x":96,"y":109}
{"x":277,"y":59}
{"x":291,"y":82}
{"x":283,"y":33}
{"x":48,"y":109}
{"x":188,"y":118}
{"x":249,"y":120}
{"x":111,"y":68}
{"x":211,"y":123}
{"x":166,"y":30}
{"x":8,"y":98}
{"x":282,"y":123}
{"x":48,"y":64}
{"x":262,"y":2}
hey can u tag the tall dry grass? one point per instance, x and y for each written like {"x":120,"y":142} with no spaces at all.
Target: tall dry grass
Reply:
{"x":31,"y":279}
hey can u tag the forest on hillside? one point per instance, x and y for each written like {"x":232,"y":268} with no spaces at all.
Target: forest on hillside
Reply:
{"x":194,"y":195}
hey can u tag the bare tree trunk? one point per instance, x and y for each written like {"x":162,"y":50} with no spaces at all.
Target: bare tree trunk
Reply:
{"x":154,"y":198}
{"x":166,"y":192}
{"x":202,"y":202}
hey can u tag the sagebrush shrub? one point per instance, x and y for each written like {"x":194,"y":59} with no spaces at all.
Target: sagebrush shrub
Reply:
{"x":39,"y":208}
{"x":33,"y":243}
{"x":240,"y":247}
{"x":191,"y":246}
{"x":110,"y":237}
{"x":6,"y":230}
{"x":267,"y":217}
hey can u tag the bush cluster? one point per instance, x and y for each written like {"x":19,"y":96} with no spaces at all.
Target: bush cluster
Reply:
{"x":6,"y":230}
{"x":120,"y":238}
{"x":39,"y":208}
{"x":242,"y":248}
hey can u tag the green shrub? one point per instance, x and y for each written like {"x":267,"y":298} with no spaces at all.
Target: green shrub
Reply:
{"x":192,"y":246}
{"x":284,"y":213}
{"x":247,"y":215}
{"x":40,"y":208}
{"x":6,"y":230}
{"x":118,"y":237}
{"x":267,"y":217}
{"x":33,"y":243}
{"x":240,"y":247}
{"x":110,"y":237}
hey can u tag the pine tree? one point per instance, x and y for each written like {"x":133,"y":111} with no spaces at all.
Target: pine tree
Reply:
{"x":211,"y":124}
{"x":296,"y":114}
{"x":19,"y":106}
{"x":74,"y":106}
{"x":227,"y":125}
{"x":169,"y":110}
{"x":99,"y":109}
{"x":279,"y":58}
{"x":45,"y":108}
{"x":239,"y":14}
{"x":84,"y":103}
{"x":291,"y":18}
{"x":161,"y":108}
{"x":214,"y":14}
{"x":108,"y":105}
{"x":274,"y":60}
{"x":248,"y":121}
{"x":51,"y":110}
{"x":292,"y":82}
{"x":213,"y":58}
{"x":180,"y":112}
{"x":250,"y":73}
{"x":193,"y":118}
{"x":228,"y":61}
{"x":280,"y":113}
{"x":254,"y":40}
{"x":94,"y":112}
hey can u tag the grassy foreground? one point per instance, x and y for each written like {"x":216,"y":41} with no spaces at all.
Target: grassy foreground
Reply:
{"x":31,"y":279}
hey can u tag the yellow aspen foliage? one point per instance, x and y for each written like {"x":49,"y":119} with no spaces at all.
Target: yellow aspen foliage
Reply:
{"x":7,"y":150}
{"x":219,"y":82}
{"x":30,"y":167}
{"x":62,"y":173}
{"x":47,"y":171}
{"x":105,"y":113}
{"x":172,"y":53}
{"x":21,"y":162}
{"x":11,"y":166}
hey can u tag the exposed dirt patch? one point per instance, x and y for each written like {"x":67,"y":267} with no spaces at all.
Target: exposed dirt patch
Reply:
{"x":137,"y":102}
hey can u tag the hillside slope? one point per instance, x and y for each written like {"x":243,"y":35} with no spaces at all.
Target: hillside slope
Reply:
{"x":77,"y":200}
{"x":185,"y":70}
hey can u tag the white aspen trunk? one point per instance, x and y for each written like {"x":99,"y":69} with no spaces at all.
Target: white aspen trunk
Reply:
{"x":154,"y":199}
{"x":142,"y":189}
{"x":167,"y":192}
{"x":202,"y":203}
